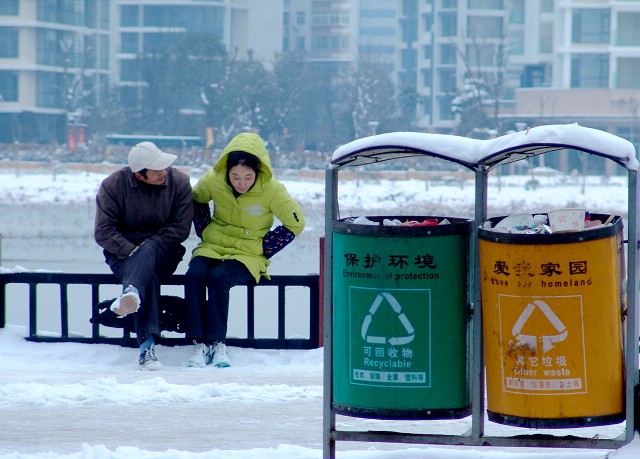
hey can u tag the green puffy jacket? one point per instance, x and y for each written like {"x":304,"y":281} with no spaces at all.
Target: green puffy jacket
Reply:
{"x":239,"y":224}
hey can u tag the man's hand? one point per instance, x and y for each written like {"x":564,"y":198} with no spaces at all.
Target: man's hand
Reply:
{"x":136,"y":248}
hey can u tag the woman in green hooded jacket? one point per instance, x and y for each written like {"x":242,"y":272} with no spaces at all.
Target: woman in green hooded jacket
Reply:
{"x":237,"y":242}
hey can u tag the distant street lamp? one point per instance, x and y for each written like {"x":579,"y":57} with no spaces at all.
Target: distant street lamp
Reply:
{"x":373,"y":126}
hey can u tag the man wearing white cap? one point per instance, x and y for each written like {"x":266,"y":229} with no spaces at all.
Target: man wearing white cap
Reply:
{"x":143,"y":216}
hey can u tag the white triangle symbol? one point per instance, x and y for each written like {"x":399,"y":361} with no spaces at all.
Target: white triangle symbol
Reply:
{"x":396,"y":340}
{"x":547,"y":340}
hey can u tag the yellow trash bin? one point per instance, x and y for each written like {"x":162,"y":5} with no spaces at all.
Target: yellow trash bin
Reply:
{"x":552,"y":326}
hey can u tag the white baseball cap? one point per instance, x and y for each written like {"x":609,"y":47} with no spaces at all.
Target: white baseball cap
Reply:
{"x":146,"y":155}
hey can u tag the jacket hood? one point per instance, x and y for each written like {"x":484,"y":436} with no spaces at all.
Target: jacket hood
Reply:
{"x":249,"y":143}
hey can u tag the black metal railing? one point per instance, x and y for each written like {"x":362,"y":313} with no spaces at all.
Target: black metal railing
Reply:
{"x":310,"y":340}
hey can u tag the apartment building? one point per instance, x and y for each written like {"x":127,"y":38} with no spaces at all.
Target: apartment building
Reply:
{"x":60,"y":59}
{"x":593,"y":69}
{"x":556,"y":60}
{"x":54,"y":60}
{"x":156,"y":28}
{"x":560,"y":60}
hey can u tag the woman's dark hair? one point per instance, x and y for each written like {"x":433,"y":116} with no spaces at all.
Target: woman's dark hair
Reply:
{"x":243,"y":158}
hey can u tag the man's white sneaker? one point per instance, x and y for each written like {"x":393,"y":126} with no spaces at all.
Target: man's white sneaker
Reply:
{"x":220,"y":357}
{"x":148,"y":360}
{"x":200,"y":356}
{"x":126,"y":303}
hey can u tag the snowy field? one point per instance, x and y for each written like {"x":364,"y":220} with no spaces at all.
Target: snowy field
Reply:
{"x":90,"y":402}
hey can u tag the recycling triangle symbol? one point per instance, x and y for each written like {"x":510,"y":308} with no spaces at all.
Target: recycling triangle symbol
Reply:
{"x":547,"y":340}
{"x":395,"y":305}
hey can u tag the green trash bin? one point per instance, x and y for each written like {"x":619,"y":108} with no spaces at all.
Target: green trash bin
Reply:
{"x":400,"y":319}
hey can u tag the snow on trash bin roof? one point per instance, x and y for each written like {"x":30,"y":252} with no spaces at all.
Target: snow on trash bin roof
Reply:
{"x":474,"y":153}
{"x":395,"y":145}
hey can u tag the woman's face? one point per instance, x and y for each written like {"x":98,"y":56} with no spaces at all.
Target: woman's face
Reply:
{"x":242,"y":178}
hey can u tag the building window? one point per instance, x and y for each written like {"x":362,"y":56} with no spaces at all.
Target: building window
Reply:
{"x":47,"y":46}
{"x":427,"y":20}
{"x":449,"y":24}
{"x":8,"y":86}
{"x":484,"y":27}
{"x":448,"y":53}
{"x":91,"y":15}
{"x":378,"y":13}
{"x":516,"y":12}
{"x":426,"y":78}
{"x":409,"y":7}
{"x":88,"y":59}
{"x":129,"y":15}
{"x":300,"y":18}
{"x":129,"y":43}
{"x":516,"y":44}
{"x":8,"y":42}
{"x":62,"y":11}
{"x":10,"y":8}
{"x":377,"y":32}
{"x":407,"y":80}
{"x":427,"y":52}
{"x":444,"y":108}
{"x":534,"y":76}
{"x":300,"y":44}
{"x":105,"y":19}
{"x":409,"y":30}
{"x":65,"y":49}
{"x":591,"y":25}
{"x":409,"y":59}
{"x":321,"y":43}
{"x":628,"y":71}
{"x":193,"y":18}
{"x":447,"y":81}
{"x":546,"y":38}
{"x":485,"y":4}
{"x":129,"y":70}
{"x":320,"y":19}
{"x":482,"y":54}
{"x":160,"y":43}
{"x":590,"y":71}
{"x":628,"y":30}
{"x":45,"y":96}
{"x":104,"y":53}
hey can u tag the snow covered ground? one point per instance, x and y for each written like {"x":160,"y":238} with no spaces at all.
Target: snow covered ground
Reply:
{"x":89,"y":401}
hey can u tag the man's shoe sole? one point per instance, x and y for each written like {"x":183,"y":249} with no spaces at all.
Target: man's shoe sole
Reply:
{"x":127,"y":303}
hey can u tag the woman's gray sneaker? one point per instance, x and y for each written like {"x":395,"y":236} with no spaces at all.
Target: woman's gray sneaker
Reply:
{"x":220,"y":357}
{"x":200,"y":356}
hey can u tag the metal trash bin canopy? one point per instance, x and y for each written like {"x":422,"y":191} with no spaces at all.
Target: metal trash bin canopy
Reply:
{"x":542,"y":139}
{"x":398,"y":145}
{"x":481,"y":156}
{"x":475,"y":153}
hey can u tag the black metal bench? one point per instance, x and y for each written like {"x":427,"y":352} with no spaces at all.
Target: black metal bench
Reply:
{"x":95,"y":281}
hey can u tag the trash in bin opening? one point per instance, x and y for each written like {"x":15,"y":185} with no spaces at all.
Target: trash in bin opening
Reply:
{"x":554,"y":221}
{"x":395,"y":221}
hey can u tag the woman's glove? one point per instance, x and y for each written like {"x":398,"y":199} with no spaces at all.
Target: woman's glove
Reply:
{"x":201,"y":217}
{"x":276,"y":240}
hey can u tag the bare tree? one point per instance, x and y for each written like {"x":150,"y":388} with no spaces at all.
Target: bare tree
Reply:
{"x":372,"y":97}
{"x":477,"y":103}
